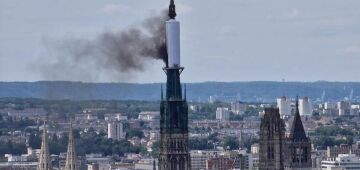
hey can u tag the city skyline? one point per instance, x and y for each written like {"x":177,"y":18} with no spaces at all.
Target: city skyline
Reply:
{"x":253,"y":40}
{"x":79,"y":85}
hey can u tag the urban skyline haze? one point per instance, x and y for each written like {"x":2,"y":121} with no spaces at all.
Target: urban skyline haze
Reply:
{"x":232,"y":40}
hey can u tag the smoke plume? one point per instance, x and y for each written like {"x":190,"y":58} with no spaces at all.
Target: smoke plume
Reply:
{"x":114,"y":52}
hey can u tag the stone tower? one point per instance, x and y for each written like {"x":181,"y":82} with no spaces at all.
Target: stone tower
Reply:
{"x":298,"y":146}
{"x":71,"y":159}
{"x":44,"y":158}
{"x":174,"y":152}
{"x":272,"y":135}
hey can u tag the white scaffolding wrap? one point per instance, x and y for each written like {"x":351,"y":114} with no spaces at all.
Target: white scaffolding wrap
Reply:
{"x":173,"y":42}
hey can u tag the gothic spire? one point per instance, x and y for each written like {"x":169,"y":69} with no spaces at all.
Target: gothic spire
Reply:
{"x":44,"y":158}
{"x":297,"y":132}
{"x":71,"y":161}
{"x":172,"y":12}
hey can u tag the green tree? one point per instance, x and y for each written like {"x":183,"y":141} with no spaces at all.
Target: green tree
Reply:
{"x":12,"y":148}
{"x":323,"y":142}
{"x":134,"y":132}
{"x":34,"y":140}
{"x":200,"y":144}
{"x":235,"y":117}
{"x":230,"y":143}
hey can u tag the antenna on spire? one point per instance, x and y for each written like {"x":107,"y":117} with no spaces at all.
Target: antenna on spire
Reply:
{"x":172,"y":12}
{"x":297,"y":104}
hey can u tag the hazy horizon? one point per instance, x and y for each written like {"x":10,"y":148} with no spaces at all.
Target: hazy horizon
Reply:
{"x":230,"y":41}
{"x":160,"y":82}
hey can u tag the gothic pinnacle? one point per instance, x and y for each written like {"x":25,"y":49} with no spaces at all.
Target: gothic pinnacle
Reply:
{"x":44,"y":158}
{"x":71,"y":161}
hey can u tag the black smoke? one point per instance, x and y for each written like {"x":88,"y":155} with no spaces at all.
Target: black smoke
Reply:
{"x":118,"y":52}
{"x":127,"y":49}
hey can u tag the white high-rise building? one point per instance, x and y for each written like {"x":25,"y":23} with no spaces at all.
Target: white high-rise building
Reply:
{"x":305,"y":107}
{"x":255,"y":148}
{"x":284,"y":105}
{"x":239,"y":107}
{"x":329,"y":108}
{"x":222,"y":113}
{"x":344,"y":108}
{"x":328,"y":105}
{"x":115,"y":131}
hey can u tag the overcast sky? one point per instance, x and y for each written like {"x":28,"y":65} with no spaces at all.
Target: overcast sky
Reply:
{"x":221,"y":40}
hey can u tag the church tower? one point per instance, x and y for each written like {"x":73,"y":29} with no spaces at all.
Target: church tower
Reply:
{"x":174,"y":152}
{"x":298,"y":146}
{"x":71,"y":159}
{"x":272,"y":135}
{"x":44,"y":158}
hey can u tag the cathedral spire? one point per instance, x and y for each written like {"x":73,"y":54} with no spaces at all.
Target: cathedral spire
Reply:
{"x":297,"y":132}
{"x":174,"y":138}
{"x":298,"y":145}
{"x":172,"y":12}
{"x":44,"y":158}
{"x":71,"y":161}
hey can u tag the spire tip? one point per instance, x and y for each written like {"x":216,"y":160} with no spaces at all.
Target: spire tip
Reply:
{"x":172,"y":12}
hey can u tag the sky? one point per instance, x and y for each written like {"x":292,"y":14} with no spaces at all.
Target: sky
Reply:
{"x":228,"y":40}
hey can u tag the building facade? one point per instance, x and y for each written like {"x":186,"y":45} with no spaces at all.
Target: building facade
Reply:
{"x":222,"y":114}
{"x":335,"y":151}
{"x":344,"y":108}
{"x":342,"y":162}
{"x":221,"y":160}
{"x":239,"y":107}
{"x":198,"y":159}
{"x":115,"y":131}
{"x":305,"y":107}
{"x":148,"y":116}
{"x":284,"y":105}
{"x":219,"y":163}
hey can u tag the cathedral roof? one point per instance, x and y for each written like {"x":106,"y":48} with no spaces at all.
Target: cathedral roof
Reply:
{"x":297,"y":132}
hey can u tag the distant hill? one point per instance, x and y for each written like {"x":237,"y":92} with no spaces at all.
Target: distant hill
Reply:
{"x":261,"y":91}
